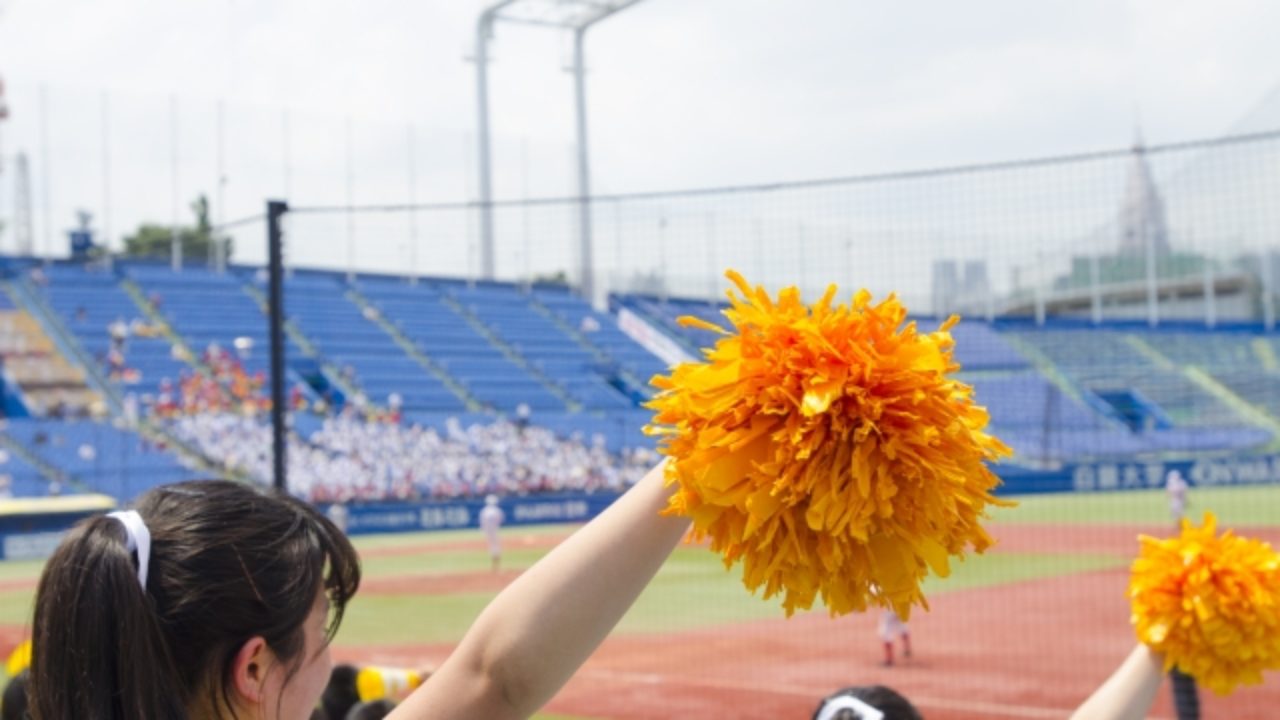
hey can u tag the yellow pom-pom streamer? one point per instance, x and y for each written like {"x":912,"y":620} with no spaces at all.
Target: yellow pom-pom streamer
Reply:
{"x":1210,"y":604}
{"x":828,"y":450}
{"x":19,"y":659}
{"x":376,"y":683}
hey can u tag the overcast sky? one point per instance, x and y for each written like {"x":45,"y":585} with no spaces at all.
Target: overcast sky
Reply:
{"x":683,"y":93}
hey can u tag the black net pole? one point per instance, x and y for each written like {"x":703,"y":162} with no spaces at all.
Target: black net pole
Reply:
{"x":275,"y":307}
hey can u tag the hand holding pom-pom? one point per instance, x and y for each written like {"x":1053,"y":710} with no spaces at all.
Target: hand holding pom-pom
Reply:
{"x":828,"y":449}
{"x":1210,"y":605}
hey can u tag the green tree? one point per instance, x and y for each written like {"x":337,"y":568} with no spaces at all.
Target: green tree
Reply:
{"x":152,"y":240}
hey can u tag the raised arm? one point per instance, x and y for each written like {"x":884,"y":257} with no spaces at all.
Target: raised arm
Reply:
{"x":1129,"y":692}
{"x":538,"y":631}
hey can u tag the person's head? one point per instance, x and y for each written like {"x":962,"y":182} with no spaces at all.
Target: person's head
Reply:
{"x":341,"y":694}
{"x":13,"y":705}
{"x":490,"y":500}
{"x":866,"y":702}
{"x":227,"y":614}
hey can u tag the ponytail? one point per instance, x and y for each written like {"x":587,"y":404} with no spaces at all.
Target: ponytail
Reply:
{"x":121,"y":633}
{"x":98,"y":652}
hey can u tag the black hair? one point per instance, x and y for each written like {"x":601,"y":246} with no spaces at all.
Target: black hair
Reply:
{"x":372,"y":710}
{"x":885,"y":699}
{"x":228,"y":562}
{"x":13,"y":704}
{"x":341,"y":693}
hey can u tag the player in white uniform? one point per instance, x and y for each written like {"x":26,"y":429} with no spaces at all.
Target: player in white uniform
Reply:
{"x":491,"y":518}
{"x":1186,"y":699}
{"x":892,"y":628}
{"x":1175,"y":487}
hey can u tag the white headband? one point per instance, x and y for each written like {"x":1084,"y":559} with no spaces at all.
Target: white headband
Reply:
{"x":139,"y":540}
{"x":849,"y":702}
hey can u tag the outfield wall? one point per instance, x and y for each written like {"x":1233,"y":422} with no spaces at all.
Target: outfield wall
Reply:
{"x":567,"y":508}
{"x":397,"y":517}
{"x":29,"y":531}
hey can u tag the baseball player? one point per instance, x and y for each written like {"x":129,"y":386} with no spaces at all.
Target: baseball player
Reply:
{"x":892,"y":628}
{"x":1186,"y":698}
{"x":1175,"y":487}
{"x":491,"y":518}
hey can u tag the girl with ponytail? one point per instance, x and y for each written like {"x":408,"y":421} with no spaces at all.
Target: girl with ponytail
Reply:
{"x":217,"y":600}
{"x":208,"y":600}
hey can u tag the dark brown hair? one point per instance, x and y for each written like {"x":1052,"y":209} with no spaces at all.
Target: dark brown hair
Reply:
{"x":883,"y":698}
{"x":229,"y":562}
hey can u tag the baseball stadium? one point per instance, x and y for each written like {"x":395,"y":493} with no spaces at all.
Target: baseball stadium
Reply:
{"x":976,"y":427}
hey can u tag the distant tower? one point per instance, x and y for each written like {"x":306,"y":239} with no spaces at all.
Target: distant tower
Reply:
{"x":1142,"y":218}
{"x":22,"y":237}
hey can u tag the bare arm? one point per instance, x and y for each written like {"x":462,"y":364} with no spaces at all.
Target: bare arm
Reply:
{"x":1129,"y":692}
{"x":531,"y":639}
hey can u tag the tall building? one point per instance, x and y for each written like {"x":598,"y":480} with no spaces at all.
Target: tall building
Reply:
{"x":1142,"y":218}
{"x":946,"y":285}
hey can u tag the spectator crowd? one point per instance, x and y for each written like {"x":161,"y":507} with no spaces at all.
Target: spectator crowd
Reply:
{"x":350,"y":459}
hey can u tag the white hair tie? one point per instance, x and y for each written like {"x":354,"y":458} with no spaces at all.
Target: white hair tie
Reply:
{"x":138,"y":540}
{"x":849,"y":702}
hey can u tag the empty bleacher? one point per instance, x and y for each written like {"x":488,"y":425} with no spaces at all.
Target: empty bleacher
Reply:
{"x":86,"y":303}
{"x":97,"y":456}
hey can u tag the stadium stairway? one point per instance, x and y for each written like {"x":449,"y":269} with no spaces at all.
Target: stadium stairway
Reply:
{"x":308,"y":348}
{"x":1217,"y":368}
{"x":606,"y":343}
{"x":1117,"y":360}
{"x":413,"y":351}
{"x":28,"y":298}
{"x":1266,"y":354}
{"x":348,"y":335}
{"x":158,"y":320}
{"x":1050,"y":371}
{"x":36,"y":371}
{"x":470,"y":316}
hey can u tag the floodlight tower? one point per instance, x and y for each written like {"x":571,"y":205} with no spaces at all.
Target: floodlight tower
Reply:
{"x":577,"y":16}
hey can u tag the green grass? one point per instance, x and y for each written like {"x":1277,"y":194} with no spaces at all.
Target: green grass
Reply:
{"x":445,"y":563}
{"x":445,"y":537}
{"x":692,"y":590}
{"x":1257,"y":506}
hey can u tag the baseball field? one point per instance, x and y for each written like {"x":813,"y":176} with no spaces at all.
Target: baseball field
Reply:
{"x":1025,"y":631}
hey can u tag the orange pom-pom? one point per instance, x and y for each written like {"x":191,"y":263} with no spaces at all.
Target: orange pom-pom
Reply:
{"x":1210,"y":604}
{"x":828,"y":449}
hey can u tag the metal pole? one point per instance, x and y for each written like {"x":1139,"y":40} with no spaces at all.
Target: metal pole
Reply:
{"x":413,"y":214}
{"x":1039,"y":290}
{"x":524,"y":213}
{"x":46,"y":176}
{"x":275,"y":212}
{"x":219,"y":249}
{"x":1268,"y":291}
{"x":1095,"y":285}
{"x":106,"y":178}
{"x":584,"y":171}
{"x":1210,"y":296}
{"x":484,"y":29}
{"x":286,"y":159}
{"x":1153,"y":279}
{"x":175,"y":243}
{"x":351,"y":220}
